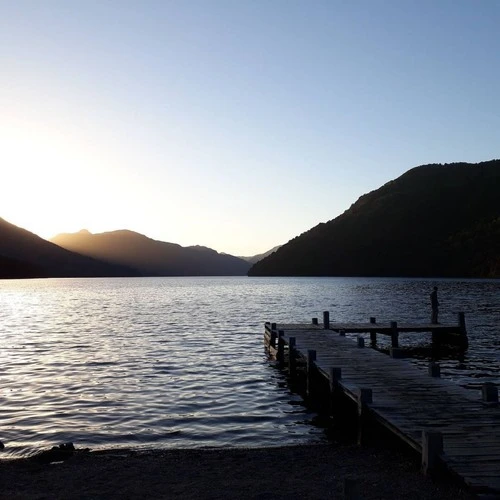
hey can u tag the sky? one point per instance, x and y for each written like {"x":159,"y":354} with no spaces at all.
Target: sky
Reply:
{"x":234,"y":124}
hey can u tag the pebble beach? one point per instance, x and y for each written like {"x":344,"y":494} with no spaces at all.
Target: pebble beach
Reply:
{"x":291,"y":472}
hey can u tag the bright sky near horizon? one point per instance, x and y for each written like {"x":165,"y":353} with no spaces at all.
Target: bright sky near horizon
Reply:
{"x":234,"y":124}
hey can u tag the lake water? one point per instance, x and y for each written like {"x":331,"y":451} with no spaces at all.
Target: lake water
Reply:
{"x":179,"y":362}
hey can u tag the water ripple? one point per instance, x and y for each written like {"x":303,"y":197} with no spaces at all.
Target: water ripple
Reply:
{"x":179,"y":362}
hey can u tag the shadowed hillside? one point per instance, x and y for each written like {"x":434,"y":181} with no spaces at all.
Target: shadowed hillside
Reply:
{"x":435,"y":220}
{"x":255,"y":258}
{"x":25,"y":255}
{"x":151,"y":257}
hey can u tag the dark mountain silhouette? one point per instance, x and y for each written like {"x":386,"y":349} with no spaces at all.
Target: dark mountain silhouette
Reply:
{"x":255,"y":258}
{"x":151,"y":257}
{"x":435,"y":220}
{"x":25,"y":255}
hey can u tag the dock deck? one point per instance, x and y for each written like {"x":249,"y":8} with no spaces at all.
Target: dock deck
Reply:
{"x":439,"y":419}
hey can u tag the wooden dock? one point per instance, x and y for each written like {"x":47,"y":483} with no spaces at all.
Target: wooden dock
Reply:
{"x":448,"y":333}
{"x":445,"y":423}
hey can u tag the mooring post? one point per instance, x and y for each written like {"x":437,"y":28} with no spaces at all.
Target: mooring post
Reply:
{"x":280,"y":355}
{"x":361,"y":342}
{"x":490,"y":392}
{"x":272,"y":340}
{"x":434,"y":370}
{"x":432,"y":449}
{"x":394,"y":334}
{"x":461,"y":323}
{"x":326,"y":320}
{"x":292,"y":364}
{"x":315,"y":321}
{"x":334,"y":375}
{"x":342,"y":333}
{"x":311,"y":358}
{"x":364,"y":397}
{"x":373,"y":335}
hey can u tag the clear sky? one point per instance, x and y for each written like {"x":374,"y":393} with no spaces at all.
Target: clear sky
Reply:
{"x":234,"y":124}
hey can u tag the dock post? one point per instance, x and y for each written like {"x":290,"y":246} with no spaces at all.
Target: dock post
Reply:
{"x":434,"y":370}
{"x":364,"y":397}
{"x":432,"y":449}
{"x":280,"y":355}
{"x":326,"y":320}
{"x":373,"y":335}
{"x":272,"y":340}
{"x":461,"y":323}
{"x":315,"y":321}
{"x":361,"y":342}
{"x":394,"y":334}
{"x":490,"y":392}
{"x":311,"y":358}
{"x":292,"y":364}
{"x":334,"y":375}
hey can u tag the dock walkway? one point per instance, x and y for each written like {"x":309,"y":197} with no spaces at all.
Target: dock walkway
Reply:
{"x":439,"y":419}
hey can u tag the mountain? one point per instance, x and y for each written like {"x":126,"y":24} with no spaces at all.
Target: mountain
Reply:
{"x":255,"y":258}
{"x":151,"y":257}
{"x":434,"y":220}
{"x":25,"y":255}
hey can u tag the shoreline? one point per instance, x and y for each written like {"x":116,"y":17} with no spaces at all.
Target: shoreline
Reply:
{"x":313,"y":471}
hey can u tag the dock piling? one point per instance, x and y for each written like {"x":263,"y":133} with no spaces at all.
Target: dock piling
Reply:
{"x":461,"y":323}
{"x":315,"y":321}
{"x":490,"y":392}
{"x":326,"y":320}
{"x":311,"y":358}
{"x":434,"y":370}
{"x":373,"y":335}
{"x":280,"y":355}
{"x":272,"y":340}
{"x":432,"y":449}
{"x":292,"y":363}
{"x":364,"y":397}
{"x":394,"y":334}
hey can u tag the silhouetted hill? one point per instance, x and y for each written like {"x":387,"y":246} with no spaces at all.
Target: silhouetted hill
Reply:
{"x":25,"y":255}
{"x":151,"y":257}
{"x":255,"y":258}
{"x":435,"y":220}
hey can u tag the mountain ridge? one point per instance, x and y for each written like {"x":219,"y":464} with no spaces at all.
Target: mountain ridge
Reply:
{"x":424,"y":223}
{"x":23,"y":254}
{"x":152,"y":257}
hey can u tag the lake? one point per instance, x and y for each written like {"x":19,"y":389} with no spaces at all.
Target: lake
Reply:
{"x":180,"y":362}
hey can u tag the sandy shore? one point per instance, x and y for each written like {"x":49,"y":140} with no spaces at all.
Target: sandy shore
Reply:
{"x":305,"y":472}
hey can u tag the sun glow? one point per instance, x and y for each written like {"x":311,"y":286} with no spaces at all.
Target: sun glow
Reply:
{"x":48,"y":174}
